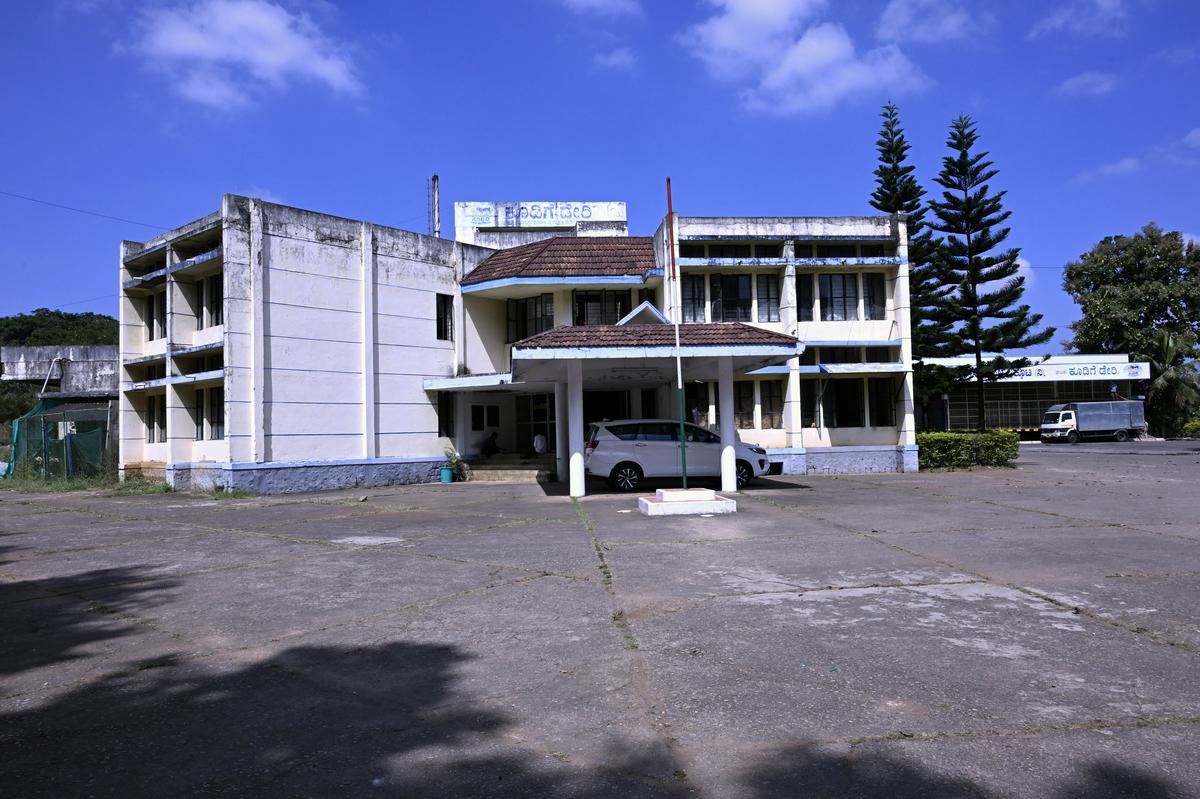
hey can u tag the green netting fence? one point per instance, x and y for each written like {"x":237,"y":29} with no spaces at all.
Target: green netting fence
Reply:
{"x":59,"y":439}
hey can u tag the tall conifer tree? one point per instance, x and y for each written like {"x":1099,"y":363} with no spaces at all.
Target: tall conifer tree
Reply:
{"x":983,"y":303}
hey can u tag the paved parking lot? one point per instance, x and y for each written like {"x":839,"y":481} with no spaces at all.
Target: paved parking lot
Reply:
{"x":1023,"y":632}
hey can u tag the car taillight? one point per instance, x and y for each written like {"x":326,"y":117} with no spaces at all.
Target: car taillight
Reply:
{"x":593,"y":444}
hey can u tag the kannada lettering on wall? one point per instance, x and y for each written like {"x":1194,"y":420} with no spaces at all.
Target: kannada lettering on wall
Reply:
{"x":539,"y":214}
{"x":1082,"y":371}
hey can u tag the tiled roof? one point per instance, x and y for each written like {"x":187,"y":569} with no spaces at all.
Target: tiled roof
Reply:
{"x":729,"y":334}
{"x":568,"y":256}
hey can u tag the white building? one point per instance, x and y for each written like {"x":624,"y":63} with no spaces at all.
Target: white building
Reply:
{"x":276,"y":349}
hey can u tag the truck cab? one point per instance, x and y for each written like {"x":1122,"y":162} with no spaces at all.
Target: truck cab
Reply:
{"x":1058,"y":425}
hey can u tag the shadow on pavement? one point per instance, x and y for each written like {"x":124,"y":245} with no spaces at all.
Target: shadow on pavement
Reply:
{"x":52,"y":620}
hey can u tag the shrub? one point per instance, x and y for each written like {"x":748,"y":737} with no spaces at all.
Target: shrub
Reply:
{"x":964,"y":450}
{"x":1191,"y":429}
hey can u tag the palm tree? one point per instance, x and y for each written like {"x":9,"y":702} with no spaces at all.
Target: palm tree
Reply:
{"x":1174,"y":392}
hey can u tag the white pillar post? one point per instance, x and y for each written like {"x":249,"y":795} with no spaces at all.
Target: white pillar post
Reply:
{"x":560,"y":431}
{"x":575,"y":425}
{"x":728,"y":437}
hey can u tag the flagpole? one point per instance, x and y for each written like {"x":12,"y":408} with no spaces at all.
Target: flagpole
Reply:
{"x":678,"y":302}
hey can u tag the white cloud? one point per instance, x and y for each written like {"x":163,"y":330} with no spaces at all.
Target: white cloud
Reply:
{"x":223,"y":53}
{"x":619,"y":59}
{"x":1192,"y":139}
{"x":1084,"y":17}
{"x":1025,"y":270}
{"x":928,"y":21}
{"x":613,"y":8}
{"x":1192,"y":239}
{"x":792,"y":62}
{"x":1089,"y":84}
{"x":1125,"y":166}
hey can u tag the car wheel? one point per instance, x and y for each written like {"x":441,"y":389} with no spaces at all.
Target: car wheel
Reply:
{"x":626,"y":476}
{"x":1073,"y":437}
{"x":744,"y":473}
{"x":1122,"y":435}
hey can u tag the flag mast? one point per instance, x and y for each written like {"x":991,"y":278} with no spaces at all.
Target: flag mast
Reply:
{"x":677,"y":301}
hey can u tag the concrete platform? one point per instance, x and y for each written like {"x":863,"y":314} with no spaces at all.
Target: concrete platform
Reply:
{"x":685,"y":502}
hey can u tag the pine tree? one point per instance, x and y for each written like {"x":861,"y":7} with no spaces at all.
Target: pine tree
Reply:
{"x":982,"y":307}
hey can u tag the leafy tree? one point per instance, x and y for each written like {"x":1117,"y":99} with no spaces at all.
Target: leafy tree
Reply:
{"x":1173,"y":394}
{"x":1132,"y":288}
{"x":982,"y":305}
{"x":45,"y":327}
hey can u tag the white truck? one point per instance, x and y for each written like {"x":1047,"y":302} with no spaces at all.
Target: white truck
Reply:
{"x":1076,"y":421}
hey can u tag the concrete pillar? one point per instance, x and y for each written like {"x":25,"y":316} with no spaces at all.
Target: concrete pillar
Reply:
{"x":462,"y":423}
{"x":370,"y":441}
{"x":728,"y":436}
{"x":560,"y":432}
{"x":258,"y":333}
{"x":575,"y":425}
{"x":907,"y":434}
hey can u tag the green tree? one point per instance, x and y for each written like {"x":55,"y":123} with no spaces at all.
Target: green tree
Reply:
{"x":983,"y":304}
{"x":1131,"y":288}
{"x":1173,"y":394}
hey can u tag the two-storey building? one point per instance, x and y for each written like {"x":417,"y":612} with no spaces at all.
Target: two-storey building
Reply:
{"x":276,"y":349}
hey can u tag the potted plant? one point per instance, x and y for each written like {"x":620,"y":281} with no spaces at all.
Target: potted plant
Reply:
{"x":455,"y":469}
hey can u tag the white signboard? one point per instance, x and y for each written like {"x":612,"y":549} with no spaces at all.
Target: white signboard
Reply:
{"x":472,"y":215}
{"x":1051,"y":372}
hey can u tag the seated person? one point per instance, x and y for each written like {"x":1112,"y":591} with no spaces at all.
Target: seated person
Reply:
{"x":539,"y":444}
{"x":490,"y":445}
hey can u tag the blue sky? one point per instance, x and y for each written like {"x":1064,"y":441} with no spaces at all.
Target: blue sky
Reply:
{"x":149,"y":111}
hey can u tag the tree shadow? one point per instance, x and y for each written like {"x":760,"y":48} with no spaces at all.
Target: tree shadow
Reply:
{"x":813,"y":771}
{"x":384,"y":720}
{"x":50,"y":620}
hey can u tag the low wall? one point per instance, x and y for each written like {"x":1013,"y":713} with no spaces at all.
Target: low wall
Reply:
{"x":846,"y":460}
{"x":266,"y":478}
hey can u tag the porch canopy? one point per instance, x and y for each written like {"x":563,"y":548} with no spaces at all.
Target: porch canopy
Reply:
{"x":633,"y":353}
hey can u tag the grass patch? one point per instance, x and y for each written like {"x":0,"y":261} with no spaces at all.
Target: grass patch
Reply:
{"x":54,"y":485}
{"x":136,"y":486}
{"x":231,"y":493}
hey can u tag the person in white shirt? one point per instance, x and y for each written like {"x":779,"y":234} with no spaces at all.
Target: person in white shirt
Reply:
{"x":539,"y":444}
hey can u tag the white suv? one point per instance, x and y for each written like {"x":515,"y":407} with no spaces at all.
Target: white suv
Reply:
{"x":627,"y":451}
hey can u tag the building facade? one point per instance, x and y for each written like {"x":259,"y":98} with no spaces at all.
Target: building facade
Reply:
{"x":275,"y":349}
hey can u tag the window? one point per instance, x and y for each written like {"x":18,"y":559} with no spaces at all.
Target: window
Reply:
{"x":697,"y":435}
{"x":730,"y":298}
{"x":767,"y":250}
{"x":625,"y":432}
{"x":837,"y":251}
{"x":445,"y":412}
{"x":874,"y":298}
{"x":743,"y":404}
{"x":695,"y":400}
{"x":839,"y":298}
{"x":692,"y":288}
{"x":843,"y":403}
{"x":691,"y":250}
{"x":804,"y":296}
{"x":156,"y":316}
{"x":484,"y":417}
{"x":802,"y":250}
{"x":156,"y":419}
{"x":729,"y":251}
{"x":209,"y":413}
{"x":658,"y":431}
{"x":645,"y":295}
{"x":882,"y":398}
{"x":600,"y":307}
{"x":808,"y":403}
{"x":768,"y":298}
{"x":873,"y":251}
{"x":770,"y":393}
{"x":879,"y":355}
{"x":210,"y":301}
{"x":445,"y":317}
{"x":841,"y":355}
{"x":530,"y":316}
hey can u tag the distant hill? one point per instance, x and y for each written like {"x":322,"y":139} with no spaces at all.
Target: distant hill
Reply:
{"x":45,"y":327}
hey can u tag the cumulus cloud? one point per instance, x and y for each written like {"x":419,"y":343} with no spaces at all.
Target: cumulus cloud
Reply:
{"x":614,"y":8}
{"x":620,"y":59}
{"x":1025,"y":270}
{"x":1125,"y":166}
{"x":1084,"y":17}
{"x":928,"y":21}
{"x":791,"y":61}
{"x":1089,"y":84}
{"x":225,"y":53}
{"x":1193,"y":138}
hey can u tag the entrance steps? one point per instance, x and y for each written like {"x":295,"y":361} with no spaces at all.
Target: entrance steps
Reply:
{"x":512,"y":468}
